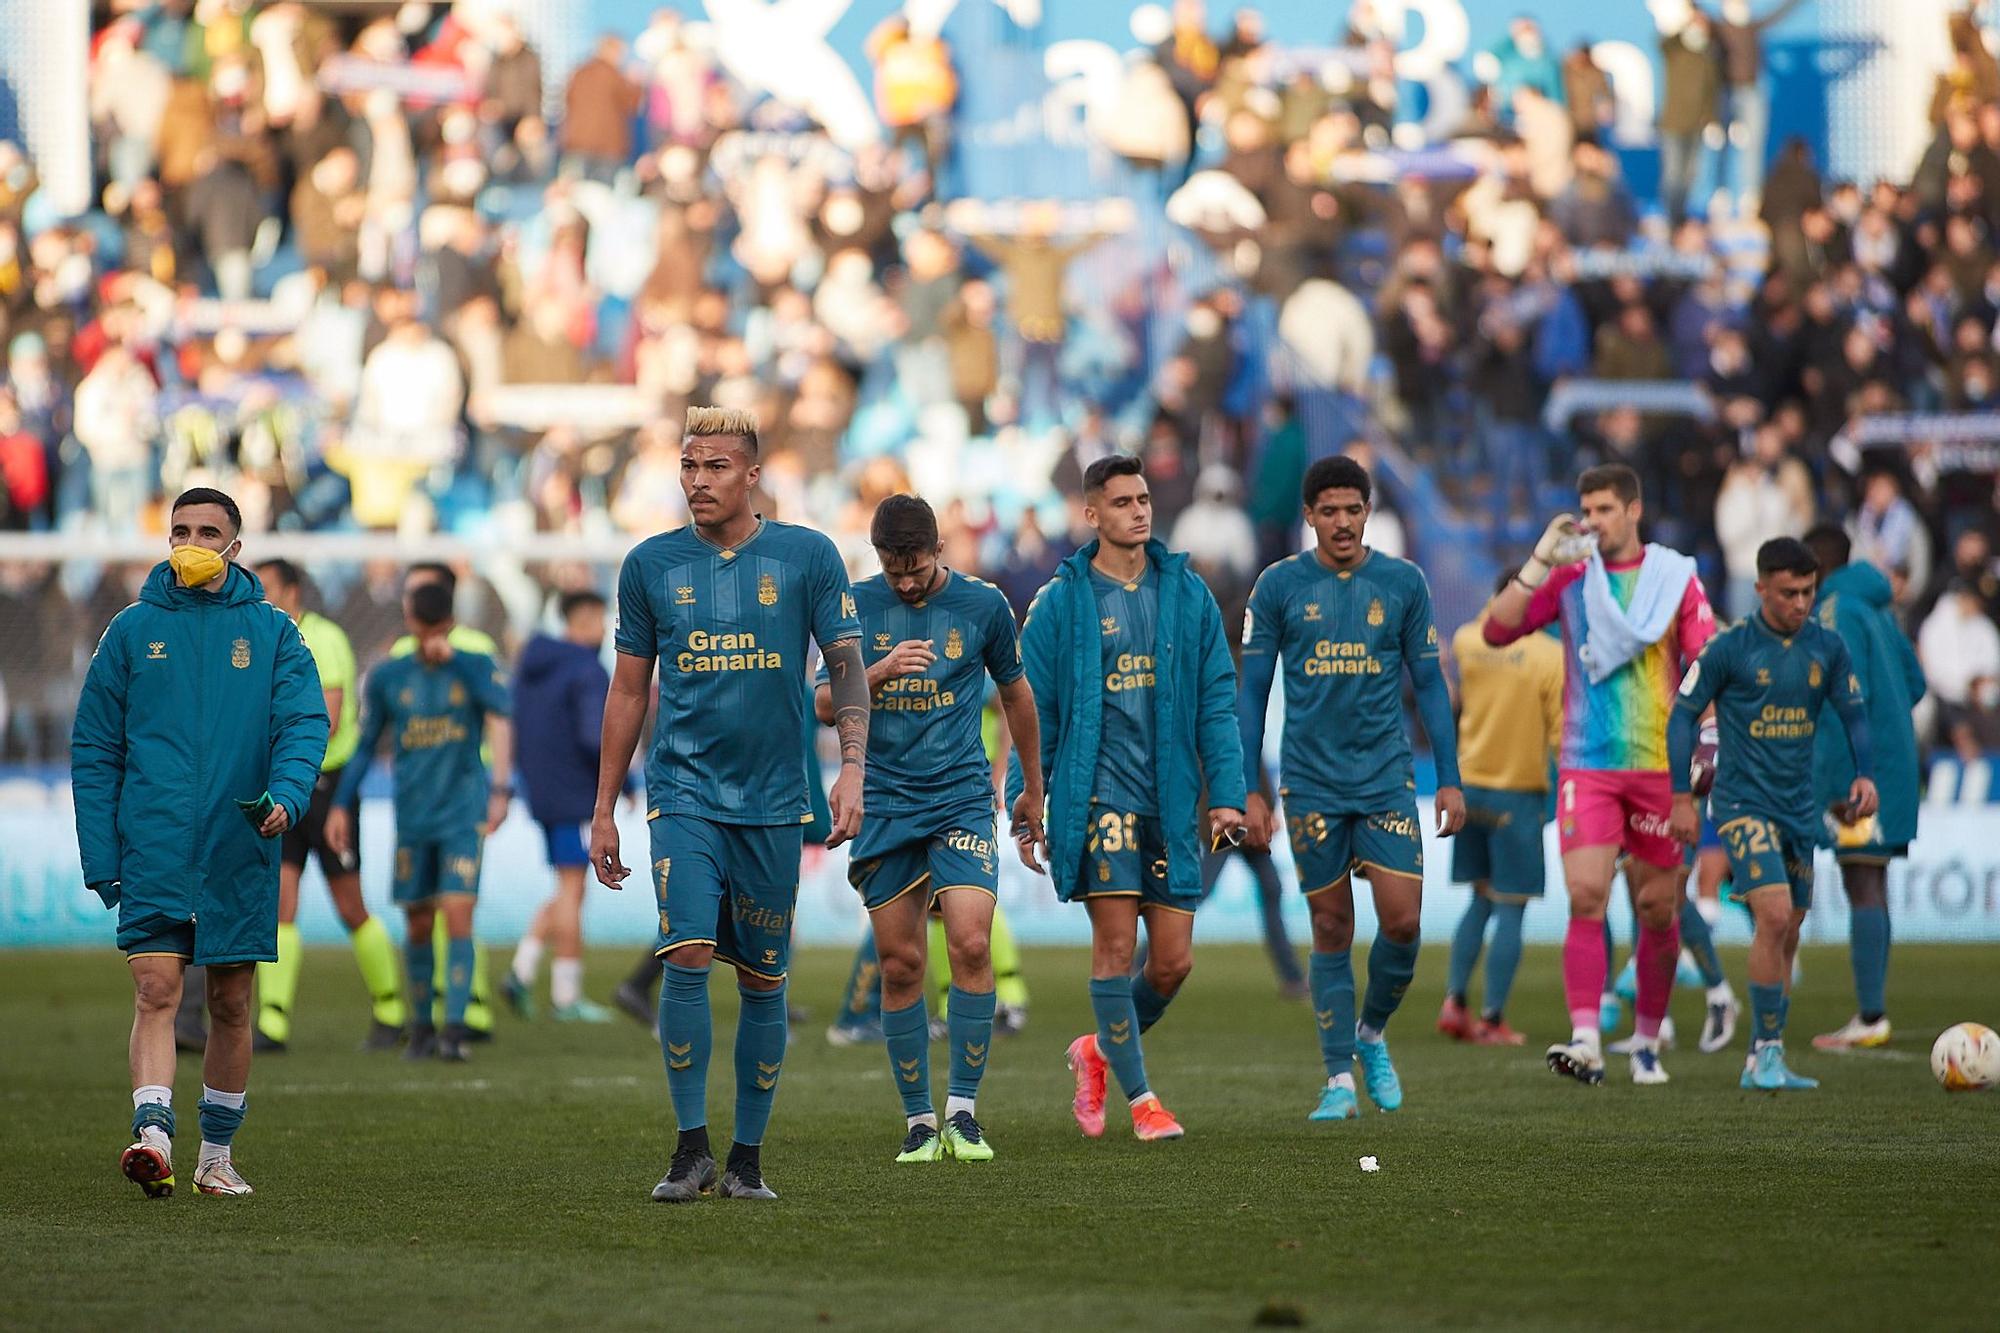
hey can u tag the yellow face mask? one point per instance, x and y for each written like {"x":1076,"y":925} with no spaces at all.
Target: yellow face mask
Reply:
{"x":196,"y":565}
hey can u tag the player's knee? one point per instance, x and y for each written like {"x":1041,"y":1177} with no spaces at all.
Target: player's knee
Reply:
{"x":902,"y":969}
{"x":1587,"y":900}
{"x":1333,"y":929}
{"x":153,"y":992}
{"x":1656,"y":913}
{"x":1400,"y":925}
{"x":970,"y":958}
{"x":1168,"y":972}
{"x":1111,"y":958}
{"x":229,"y":1007}
{"x":751,"y":981}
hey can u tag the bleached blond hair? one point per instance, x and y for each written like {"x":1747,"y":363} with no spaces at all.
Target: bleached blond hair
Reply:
{"x":711,"y":422}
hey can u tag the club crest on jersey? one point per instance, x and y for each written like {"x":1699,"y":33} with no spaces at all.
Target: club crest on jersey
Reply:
{"x":1312,"y":611}
{"x":1110,"y":624}
{"x":1763,"y":675}
{"x":239,"y":654}
{"x":455,"y":696}
{"x":405,"y":699}
{"x":883,"y":642}
{"x":1375,"y":616}
{"x":156,"y":651}
{"x":767,"y":590}
{"x":1813,"y":676}
{"x":683,"y":596}
{"x":954,"y":645}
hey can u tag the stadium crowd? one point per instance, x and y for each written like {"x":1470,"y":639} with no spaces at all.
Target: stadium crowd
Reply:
{"x":354,"y":271}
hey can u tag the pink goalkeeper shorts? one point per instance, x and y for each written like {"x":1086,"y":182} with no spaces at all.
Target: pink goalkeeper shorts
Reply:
{"x":1625,"y":808}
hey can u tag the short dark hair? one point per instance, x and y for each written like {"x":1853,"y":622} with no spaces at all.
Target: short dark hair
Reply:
{"x":904,"y":525}
{"x":430,"y":604}
{"x":436,"y":569}
{"x":1830,"y":545}
{"x":208,"y":495}
{"x":572,"y":602}
{"x":1336,"y":473}
{"x":280,"y":570}
{"x":1785,"y":555}
{"x":1099,"y":474}
{"x":1617,"y":478}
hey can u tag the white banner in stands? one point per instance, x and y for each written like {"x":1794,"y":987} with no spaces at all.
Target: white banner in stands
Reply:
{"x":1949,"y":889}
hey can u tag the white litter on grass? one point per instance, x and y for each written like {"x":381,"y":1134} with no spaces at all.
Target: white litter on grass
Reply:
{"x":1370,"y":1164}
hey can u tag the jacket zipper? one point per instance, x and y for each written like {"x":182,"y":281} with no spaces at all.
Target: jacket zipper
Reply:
{"x":201,"y":742}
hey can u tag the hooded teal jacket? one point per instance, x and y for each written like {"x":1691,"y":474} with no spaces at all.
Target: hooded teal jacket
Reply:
{"x":1194,"y":706}
{"x":194,"y":700}
{"x":1854,"y":603}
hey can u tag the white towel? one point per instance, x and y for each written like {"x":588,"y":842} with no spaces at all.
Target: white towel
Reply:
{"x":1613,"y":635}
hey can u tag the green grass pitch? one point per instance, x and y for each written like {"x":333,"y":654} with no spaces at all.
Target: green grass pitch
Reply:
{"x":513,"y":1191}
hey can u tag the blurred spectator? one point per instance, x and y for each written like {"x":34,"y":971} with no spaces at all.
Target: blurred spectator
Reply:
{"x":1887,"y":531}
{"x":1972,"y":567}
{"x":915,"y":88}
{"x":1688,"y":108}
{"x":1034,"y":264}
{"x":328,"y":207}
{"x":1959,"y":647}
{"x":1595,"y":209}
{"x":1746,"y":116}
{"x":116,"y":420}
{"x":1522,"y":59}
{"x":1768,"y":494}
{"x":1587,"y":95}
{"x":1973,"y":78}
{"x":598,"y":107}
{"x":513,"y":80}
{"x":405,"y":423}
{"x":24,"y":470}
{"x":1216,"y":533}
{"x":223,"y":208}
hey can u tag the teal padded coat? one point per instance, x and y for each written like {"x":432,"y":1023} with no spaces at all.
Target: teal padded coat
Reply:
{"x":193,"y":701}
{"x":1194,"y":709}
{"x":1854,"y":603}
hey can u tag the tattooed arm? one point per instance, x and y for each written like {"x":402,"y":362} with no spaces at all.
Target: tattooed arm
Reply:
{"x":847,"y":683}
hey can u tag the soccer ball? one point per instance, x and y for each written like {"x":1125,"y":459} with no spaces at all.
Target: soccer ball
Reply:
{"x":1966,"y":1057}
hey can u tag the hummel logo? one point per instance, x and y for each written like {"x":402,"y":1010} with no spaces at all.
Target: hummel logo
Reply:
{"x":766,"y":1084}
{"x":681,"y":1056}
{"x":1325,"y":1017}
{"x":763,"y":1068}
{"x":1121,"y":1033}
{"x":975,"y":1055}
{"x":909,"y":1070}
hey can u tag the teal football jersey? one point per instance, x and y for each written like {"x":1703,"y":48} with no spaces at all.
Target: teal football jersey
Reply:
{"x":1768,"y":691}
{"x":729,"y":630}
{"x":925,"y":747}
{"x":436,"y":717}
{"x":1344,"y":638}
{"x":1128,"y":617}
